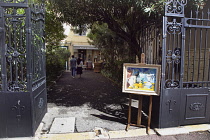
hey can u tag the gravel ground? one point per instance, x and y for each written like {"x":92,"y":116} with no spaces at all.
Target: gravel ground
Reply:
{"x":94,"y":100}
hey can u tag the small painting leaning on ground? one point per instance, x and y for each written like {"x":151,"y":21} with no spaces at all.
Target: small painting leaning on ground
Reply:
{"x":141,"y":79}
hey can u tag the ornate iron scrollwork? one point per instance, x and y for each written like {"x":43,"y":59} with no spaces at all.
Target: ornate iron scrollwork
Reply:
{"x":174,"y":56}
{"x":175,"y":6}
{"x":15,"y":1}
{"x":16,"y":86}
{"x":196,"y":106}
{"x":174,"y":27}
{"x":174,"y":11}
{"x":20,"y":109}
{"x":171,"y":83}
{"x":15,"y":48}
{"x":14,"y":55}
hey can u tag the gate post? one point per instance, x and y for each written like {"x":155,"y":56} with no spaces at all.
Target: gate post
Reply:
{"x":172,"y":63}
{"x":185,"y":96}
{"x":23,"y":97}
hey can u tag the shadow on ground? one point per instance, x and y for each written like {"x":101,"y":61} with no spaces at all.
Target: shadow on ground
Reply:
{"x":94,"y":90}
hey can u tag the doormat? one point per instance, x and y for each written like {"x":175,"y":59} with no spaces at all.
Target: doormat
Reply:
{"x":63,"y":125}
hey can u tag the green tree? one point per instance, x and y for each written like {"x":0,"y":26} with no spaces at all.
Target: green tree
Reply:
{"x":108,"y":42}
{"x":56,"y":61}
{"x":53,"y":28}
{"x":126,"y":18}
{"x":110,"y":46}
{"x":55,"y":55}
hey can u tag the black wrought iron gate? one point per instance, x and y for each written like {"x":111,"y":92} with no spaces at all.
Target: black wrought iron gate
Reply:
{"x":22,"y":67}
{"x":185,"y":95}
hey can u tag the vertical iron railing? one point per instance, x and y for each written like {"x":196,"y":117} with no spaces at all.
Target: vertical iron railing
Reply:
{"x":1,"y":48}
{"x":38,"y":47}
{"x":23,"y":45}
{"x":197,"y":51}
{"x":173,"y":44}
{"x":22,"y":67}
{"x":151,"y":43}
{"x":13,"y":46}
{"x":185,"y":46}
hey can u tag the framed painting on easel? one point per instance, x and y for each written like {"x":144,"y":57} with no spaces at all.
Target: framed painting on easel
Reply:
{"x":141,"y":79}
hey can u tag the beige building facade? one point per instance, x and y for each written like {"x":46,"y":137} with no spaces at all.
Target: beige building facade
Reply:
{"x":79,"y":46}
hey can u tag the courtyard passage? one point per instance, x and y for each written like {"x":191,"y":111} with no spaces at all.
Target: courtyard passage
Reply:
{"x":96,"y":102}
{"x":93,"y":100}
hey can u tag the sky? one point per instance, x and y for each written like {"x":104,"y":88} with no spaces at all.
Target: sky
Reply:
{"x":67,"y":28}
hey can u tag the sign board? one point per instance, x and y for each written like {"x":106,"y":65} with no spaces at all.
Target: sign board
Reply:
{"x":141,"y":79}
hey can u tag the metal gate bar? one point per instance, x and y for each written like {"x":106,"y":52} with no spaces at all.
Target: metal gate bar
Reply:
{"x":185,"y":66}
{"x":22,"y":67}
{"x":198,"y":75}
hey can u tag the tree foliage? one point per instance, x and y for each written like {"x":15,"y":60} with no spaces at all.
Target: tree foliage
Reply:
{"x":111,"y":49}
{"x":53,"y":28}
{"x":126,"y":18}
{"x":56,"y":61}
{"x":56,"y":56}
{"x":108,"y":42}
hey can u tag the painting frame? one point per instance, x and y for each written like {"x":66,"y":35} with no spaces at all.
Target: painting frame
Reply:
{"x":142,"y":79}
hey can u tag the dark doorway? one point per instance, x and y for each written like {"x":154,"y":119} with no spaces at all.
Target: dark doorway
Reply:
{"x":82,"y":54}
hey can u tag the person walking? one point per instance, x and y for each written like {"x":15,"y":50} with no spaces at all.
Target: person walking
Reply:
{"x":73,"y":64}
{"x":79,"y":66}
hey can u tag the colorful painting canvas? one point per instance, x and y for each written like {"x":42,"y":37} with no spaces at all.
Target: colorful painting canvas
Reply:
{"x":141,"y":79}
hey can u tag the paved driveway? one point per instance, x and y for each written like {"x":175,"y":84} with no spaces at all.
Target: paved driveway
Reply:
{"x":93,"y":100}
{"x":96,"y":102}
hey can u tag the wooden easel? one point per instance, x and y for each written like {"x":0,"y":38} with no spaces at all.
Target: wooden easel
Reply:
{"x":140,"y":108}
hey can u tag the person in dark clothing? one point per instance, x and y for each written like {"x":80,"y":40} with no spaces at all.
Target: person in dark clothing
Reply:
{"x":79,"y":66}
{"x":73,"y":65}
